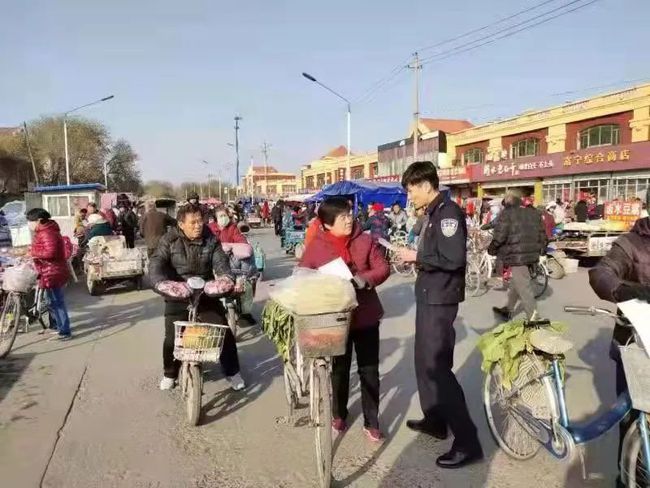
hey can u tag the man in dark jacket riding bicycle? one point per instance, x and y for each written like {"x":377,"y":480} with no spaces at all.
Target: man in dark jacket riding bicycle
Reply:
{"x":186,"y":251}
{"x":519,"y":241}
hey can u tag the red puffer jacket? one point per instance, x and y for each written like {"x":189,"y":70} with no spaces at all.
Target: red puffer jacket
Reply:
{"x":229,"y":234}
{"x":368,"y":262}
{"x":48,"y":252}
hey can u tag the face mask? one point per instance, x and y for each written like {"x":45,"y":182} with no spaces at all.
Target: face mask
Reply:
{"x":223,"y":220}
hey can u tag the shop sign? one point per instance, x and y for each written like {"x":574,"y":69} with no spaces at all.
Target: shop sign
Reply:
{"x":596,"y":158}
{"x":457,"y":174}
{"x":599,"y":246}
{"x":514,"y":169}
{"x":628,"y":212}
{"x":386,"y":179}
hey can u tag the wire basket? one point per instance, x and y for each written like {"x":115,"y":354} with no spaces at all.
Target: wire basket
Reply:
{"x":637,"y":374}
{"x":198,"y":342}
{"x":323,"y":335}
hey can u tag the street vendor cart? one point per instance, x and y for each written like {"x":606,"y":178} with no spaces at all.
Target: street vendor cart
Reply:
{"x":109,"y":261}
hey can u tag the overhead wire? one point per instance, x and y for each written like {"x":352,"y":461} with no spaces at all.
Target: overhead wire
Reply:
{"x":507,"y":32}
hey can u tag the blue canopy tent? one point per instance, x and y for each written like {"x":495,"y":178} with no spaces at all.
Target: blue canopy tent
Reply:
{"x":364,"y":192}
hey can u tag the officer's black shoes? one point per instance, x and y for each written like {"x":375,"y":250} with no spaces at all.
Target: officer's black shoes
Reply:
{"x":423,"y":427}
{"x":456,"y":458}
{"x":502,"y":312}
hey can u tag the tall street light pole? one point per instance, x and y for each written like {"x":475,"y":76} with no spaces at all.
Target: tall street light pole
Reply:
{"x":65,"y":135}
{"x":349,"y":119}
{"x":237,"y":119}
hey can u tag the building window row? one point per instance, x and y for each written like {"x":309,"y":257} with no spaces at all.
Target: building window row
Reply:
{"x":523,"y":148}
{"x":600,"y":135}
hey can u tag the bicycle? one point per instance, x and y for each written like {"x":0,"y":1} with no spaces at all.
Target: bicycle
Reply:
{"x":194,"y":343}
{"x":533,"y":412}
{"x":398,"y":239}
{"x":31,"y":305}
{"x":318,"y":338}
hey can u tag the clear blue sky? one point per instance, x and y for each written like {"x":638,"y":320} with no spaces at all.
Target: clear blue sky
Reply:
{"x":181,"y":70}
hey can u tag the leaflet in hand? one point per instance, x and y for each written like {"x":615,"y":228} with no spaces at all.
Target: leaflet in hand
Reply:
{"x":637,"y":312}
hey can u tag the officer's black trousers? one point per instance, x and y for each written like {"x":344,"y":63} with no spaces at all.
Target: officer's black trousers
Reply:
{"x":441,"y":396}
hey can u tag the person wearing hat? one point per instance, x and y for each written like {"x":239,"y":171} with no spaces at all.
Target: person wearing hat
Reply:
{"x":193,"y":198}
{"x":98,"y":226}
{"x":377,"y":223}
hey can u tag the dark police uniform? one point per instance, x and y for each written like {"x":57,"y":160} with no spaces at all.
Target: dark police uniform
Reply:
{"x":440,"y":287}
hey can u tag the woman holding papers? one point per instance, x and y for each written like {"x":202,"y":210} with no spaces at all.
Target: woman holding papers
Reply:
{"x":339,"y":237}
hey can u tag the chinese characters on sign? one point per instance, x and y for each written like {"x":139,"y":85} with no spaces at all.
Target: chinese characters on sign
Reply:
{"x":454,"y":174}
{"x":514,"y":168}
{"x":627,"y":212}
{"x":597,"y":157}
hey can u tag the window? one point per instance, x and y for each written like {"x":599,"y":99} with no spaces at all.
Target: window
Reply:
{"x":309,"y":182}
{"x":629,"y":188}
{"x":598,"y":188}
{"x":357,"y":172}
{"x":58,"y":206}
{"x":525,"y":147}
{"x":272,"y":189}
{"x":600,"y":135}
{"x":473,"y":156}
{"x":288,"y":189}
{"x":552,"y":191}
{"x":320,"y":180}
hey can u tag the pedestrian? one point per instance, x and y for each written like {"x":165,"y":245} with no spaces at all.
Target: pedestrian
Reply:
{"x":519,"y":240}
{"x":340,"y":237}
{"x":193,"y":198}
{"x":153,"y":226}
{"x":49,"y":254}
{"x":128,"y":223}
{"x":98,"y":226}
{"x":186,"y":251}
{"x":397,"y":218}
{"x":439,"y":288}
{"x":224,"y":229}
{"x":276,"y":216}
{"x":362,"y":215}
{"x":548,"y":220}
{"x":266,"y":213}
{"x":581,"y":211}
{"x":624,"y":274}
{"x":558,"y":212}
{"x":377,"y":223}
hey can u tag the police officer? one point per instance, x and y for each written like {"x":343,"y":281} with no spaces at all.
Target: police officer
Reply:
{"x":440,"y":287}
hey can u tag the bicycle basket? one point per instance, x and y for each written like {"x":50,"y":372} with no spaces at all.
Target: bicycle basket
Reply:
{"x":198,"y":341}
{"x":323,"y":335}
{"x":637,"y":374}
{"x":20,"y":278}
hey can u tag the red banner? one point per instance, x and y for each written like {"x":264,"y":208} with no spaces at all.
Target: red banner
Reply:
{"x":628,"y":212}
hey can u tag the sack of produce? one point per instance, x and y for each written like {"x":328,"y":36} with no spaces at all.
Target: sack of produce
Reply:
{"x":20,"y":278}
{"x":194,"y":337}
{"x":308,"y":292}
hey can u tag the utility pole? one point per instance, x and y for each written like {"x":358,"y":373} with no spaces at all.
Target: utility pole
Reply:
{"x":416,"y":104}
{"x":237,"y":119}
{"x":266,"y":149}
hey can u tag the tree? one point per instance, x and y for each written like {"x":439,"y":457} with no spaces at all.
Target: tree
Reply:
{"x":122,"y":171}
{"x":159,"y":189}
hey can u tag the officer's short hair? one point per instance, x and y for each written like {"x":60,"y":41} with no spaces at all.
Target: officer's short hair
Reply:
{"x":332,"y":208}
{"x":419,"y":172}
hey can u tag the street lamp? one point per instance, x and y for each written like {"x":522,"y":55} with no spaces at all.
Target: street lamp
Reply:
{"x":65,"y":135}
{"x":219,"y":179}
{"x":311,"y":78}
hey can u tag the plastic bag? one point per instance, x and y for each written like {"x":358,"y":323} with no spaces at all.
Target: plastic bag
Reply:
{"x":20,"y":278}
{"x":308,"y":292}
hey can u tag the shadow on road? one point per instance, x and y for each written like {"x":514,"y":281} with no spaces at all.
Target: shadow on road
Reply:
{"x":12,"y":368}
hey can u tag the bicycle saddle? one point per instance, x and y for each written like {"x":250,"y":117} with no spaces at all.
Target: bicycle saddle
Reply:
{"x":550,"y":342}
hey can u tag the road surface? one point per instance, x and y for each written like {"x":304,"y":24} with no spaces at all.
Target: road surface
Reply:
{"x":88,"y":413}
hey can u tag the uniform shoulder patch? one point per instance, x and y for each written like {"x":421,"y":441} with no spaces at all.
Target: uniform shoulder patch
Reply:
{"x":449,"y":227}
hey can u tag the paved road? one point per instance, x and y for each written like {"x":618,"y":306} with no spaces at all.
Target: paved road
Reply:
{"x":88,"y":413}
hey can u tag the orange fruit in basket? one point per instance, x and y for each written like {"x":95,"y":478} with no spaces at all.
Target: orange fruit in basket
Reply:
{"x":193,"y":336}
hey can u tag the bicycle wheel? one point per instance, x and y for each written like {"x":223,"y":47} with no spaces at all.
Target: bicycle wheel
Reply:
{"x":540,"y":280}
{"x":194,"y":393}
{"x":634,"y":470}
{"x":472,"y":279}
{"x":508,"y":429}
{"x":9,"y":321}
{"x":322,"y":421}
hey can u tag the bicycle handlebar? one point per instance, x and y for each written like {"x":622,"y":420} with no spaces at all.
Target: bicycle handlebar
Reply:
{"x":593,"y":311}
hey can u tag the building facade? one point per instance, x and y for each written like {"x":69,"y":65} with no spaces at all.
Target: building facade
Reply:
{"x":331,"y":168}
{"x":596,"y":147}
{"x":267,"y":181}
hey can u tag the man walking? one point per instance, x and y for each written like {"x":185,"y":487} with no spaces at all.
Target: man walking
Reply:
{"x":439,"y":288}
{"x":153,"y":226}
{"x":519,"y":240}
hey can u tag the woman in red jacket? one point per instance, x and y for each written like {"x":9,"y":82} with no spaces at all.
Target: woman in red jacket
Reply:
{"x":48,"y":253}
{"x":341,"y":237}
{"x":224,"y":229}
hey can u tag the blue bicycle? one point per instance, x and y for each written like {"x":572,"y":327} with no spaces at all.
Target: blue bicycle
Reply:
{"x":533,"y":412}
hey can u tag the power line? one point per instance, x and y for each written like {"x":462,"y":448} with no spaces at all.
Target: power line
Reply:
{"x":395,"y":80}
{"x":382,"y":81}
{"x":462,"y":48}
{"x":487,"y":26}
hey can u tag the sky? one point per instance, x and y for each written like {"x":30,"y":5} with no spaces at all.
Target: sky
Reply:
{"x":180,"y":71}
